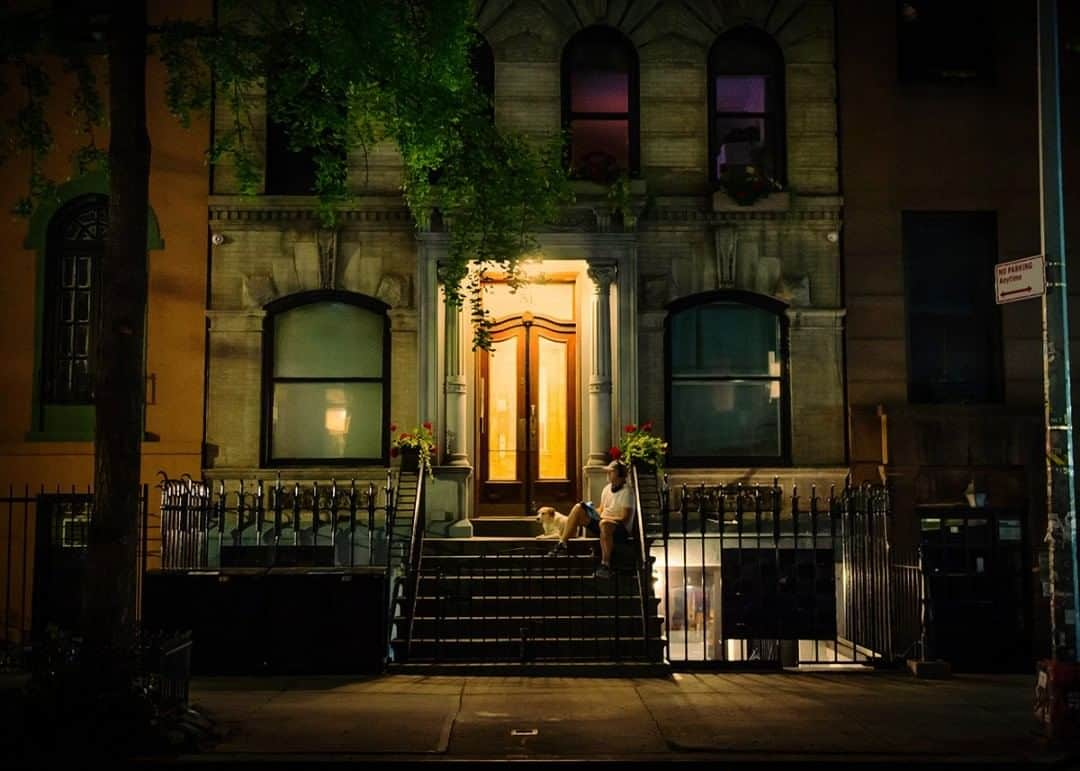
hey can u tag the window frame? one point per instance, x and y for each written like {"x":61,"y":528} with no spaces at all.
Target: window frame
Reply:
{"x":916,"y":64}
{"x":482,"y":66}
{"x":987,"y":315}
{"x":314,"y":297}
{"x":57,"y":249}
{"x":613,"y":36}
{"x":775,"y":116}
{"x":754,"y":300}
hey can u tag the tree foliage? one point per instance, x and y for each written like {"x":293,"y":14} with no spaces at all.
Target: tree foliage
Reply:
{"x":340,"y":76}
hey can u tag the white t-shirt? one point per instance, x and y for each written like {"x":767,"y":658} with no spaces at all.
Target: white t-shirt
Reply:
{"x":612,"y":504}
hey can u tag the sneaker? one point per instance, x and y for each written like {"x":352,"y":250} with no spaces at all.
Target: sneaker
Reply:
{"x":559,"y":548}
{"x":603,"y":572}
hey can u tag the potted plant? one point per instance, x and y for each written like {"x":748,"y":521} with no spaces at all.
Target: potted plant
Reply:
{"x":746,"y":184}
{"x":417,"y":448}
{"x":641,"y":447}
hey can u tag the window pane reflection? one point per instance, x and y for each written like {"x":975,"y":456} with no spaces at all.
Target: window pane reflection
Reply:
{"x":502,"y":410}
{"x":552,"y":409}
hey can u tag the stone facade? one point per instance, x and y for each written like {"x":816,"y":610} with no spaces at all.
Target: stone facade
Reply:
{"x":680,"y":238}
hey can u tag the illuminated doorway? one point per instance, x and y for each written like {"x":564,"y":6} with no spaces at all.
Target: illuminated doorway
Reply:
{"x":528,"y":412}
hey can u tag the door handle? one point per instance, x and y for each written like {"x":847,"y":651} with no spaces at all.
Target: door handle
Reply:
{"x":532,"y":421}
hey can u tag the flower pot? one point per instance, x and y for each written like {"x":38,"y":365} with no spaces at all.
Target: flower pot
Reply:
{"x":644,"y":468}
{"x":410,"y":459}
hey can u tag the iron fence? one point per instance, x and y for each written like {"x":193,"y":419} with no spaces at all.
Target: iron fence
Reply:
{"x":745,"y":577}
{"x":235,"y":523}
{"x":44,"y":536}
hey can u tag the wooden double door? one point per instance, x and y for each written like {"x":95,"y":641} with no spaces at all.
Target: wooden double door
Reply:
{"x":528,"y":417}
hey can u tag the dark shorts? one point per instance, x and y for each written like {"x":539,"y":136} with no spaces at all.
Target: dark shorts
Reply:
{"x":593,"y":529}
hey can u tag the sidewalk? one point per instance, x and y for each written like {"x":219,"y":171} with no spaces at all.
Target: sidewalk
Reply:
{"x":690,"y":717}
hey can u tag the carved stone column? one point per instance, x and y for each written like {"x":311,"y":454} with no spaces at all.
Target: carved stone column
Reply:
{"x":427,"y":300}
{"x":454,"y":441}
{"x":600,"y":370}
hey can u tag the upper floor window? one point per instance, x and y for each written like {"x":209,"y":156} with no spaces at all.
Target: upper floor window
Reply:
{"x":954,"y":328}
{"x":727,"y":379}
{"x":600,"y":103}
{"x":75,"y":245}
{"x":482,"y":64}
{"x":291,"y":169}
{"x":327,"y":385}
{"x":746,"y":103}
{"x":945,"y":40}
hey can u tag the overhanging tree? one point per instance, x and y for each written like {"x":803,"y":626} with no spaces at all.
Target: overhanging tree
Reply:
{"x":347,"y":74}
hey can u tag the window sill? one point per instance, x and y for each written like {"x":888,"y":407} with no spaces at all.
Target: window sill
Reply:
{"x":778,"y":202}
{"x":584,"y":188}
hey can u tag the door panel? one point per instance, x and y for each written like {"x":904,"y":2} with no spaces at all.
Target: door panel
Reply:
{"x":528,"y":416}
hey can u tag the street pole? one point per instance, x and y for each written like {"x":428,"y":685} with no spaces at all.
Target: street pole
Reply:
{"x":1060,"y":540}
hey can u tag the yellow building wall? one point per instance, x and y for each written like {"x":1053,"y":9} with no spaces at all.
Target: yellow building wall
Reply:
{"x":175,"y":345}
{"x":179,"y":180}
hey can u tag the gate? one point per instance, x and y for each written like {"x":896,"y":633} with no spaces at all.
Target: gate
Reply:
{"x":749,"y":578}
{"x":977,"y":566}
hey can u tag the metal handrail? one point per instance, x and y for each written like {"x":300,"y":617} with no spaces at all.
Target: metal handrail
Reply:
{"x":644,"y":574}
{"x":416,"y":548}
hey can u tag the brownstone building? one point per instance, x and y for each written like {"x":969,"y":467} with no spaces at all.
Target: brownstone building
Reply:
{"x":842,"y":323}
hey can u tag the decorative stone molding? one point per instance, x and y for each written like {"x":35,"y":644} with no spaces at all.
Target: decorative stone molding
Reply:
{"x":726,"y":244}
{"x":239,"y":212}
{"x":395,"y":290}
{"x":602,"y":276}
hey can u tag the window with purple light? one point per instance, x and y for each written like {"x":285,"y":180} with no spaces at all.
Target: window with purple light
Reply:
{"x":600,"y":104}
{"x":746,"y":70}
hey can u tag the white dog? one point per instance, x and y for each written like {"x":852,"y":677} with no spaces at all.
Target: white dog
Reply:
{"x":552,"y":521}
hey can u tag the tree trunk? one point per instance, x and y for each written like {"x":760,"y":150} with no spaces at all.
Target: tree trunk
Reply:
{"x":112,"y":567}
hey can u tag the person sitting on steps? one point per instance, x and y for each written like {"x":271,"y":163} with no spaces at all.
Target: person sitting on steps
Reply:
{"x":613,"y":521}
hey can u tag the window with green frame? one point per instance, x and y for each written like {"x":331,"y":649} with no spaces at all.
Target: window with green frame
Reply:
{"x":74,"y":248}
{"x":327,"y":384}
{"x":727,"y":380}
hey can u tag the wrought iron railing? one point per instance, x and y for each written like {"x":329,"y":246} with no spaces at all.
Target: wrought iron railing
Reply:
{"x":236,"y":523}
{"x":749,"y":577}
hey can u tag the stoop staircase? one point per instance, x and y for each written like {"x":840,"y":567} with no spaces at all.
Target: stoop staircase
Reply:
{"x":497,"y":602}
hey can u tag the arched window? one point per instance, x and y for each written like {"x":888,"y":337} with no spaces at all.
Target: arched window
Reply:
{"x":75,"y":244}
{"x":746,"y":103}
{"x":727,"y":391}
{"x":327,"y":383}
{"x":482,"y":63}
{"x":600,"y":103}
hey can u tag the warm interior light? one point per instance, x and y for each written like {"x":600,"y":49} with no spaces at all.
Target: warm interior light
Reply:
{"x":337,"y":420}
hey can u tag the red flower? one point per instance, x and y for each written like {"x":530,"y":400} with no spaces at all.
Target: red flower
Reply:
{"x":404,"y":436}
{"x":646,"y":426}
{"x":615,"y":453}
{"x":393,"y":427}
{"x":393,"y":452}
{"x":629,"y":427}
{"x":427,"y":425}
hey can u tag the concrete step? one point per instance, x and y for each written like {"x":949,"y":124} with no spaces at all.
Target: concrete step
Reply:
{"x":504,"y":545}
{"x":604,"y":603}
{"x":620,"y":669}
{"x":537,"y":585}
{"x":509,"y":627}
{"x":531,"y":649}
{"x":506,"y":526}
